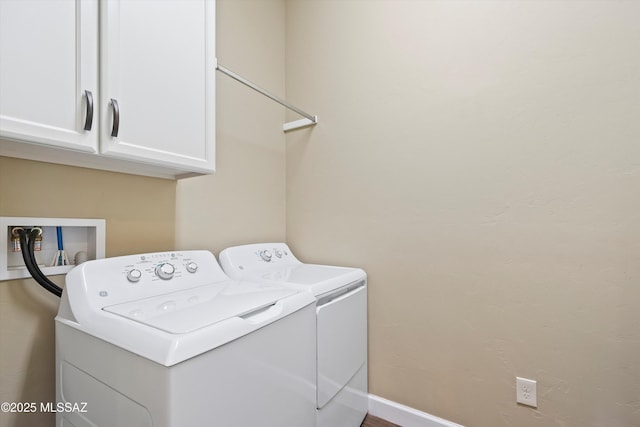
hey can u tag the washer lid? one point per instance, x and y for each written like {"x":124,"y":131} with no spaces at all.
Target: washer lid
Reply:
{"x":185,"y":311}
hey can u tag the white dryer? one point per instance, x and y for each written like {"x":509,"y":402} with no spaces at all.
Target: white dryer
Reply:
{"x":167,"y":339}
{"x":341,"y":330}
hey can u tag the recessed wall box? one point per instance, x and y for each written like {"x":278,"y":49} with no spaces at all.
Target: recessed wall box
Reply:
{"x":85,"y":237}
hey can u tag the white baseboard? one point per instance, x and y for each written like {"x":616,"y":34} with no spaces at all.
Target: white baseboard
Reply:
{"x":403,"y":415}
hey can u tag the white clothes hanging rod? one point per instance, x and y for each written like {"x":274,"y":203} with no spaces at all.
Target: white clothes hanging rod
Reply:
{"x":308,"y":120}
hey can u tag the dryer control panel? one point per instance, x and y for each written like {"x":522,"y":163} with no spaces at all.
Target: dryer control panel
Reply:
{"x":257,"y":257}
{"x":272,"y":254}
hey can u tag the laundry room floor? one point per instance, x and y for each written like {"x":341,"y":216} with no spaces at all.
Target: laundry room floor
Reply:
{"x":371,"y":421}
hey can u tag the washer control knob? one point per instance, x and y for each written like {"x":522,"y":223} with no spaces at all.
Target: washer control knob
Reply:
{"x":192,"y":267}
{"x":165,"y":271}
{"x":278,"y":253}
{"x":134,"y":275}
{"x":265,"y":255}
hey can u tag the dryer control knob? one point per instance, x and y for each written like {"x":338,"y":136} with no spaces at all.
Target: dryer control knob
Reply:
{"x":278,"y":253}
{"x":134,"y":275}
{"x":265,"y":255}
{"x":192,"y":267}
{"x":165,"y":271}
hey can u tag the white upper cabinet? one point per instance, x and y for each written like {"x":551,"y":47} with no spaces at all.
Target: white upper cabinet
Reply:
{"x":157,"y":82}
{"x":145,"y":69}
{"x":48,"y":61}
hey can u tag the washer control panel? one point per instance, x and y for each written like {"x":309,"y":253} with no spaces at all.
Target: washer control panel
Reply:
{"x":191,"y":267}
{"x":134,"y":275}
{"x":160,"y":266}
{"x":120,"y":279}
{"x":165,"y":270}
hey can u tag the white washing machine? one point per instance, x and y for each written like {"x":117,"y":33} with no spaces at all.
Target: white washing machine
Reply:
{"x":167,"y":339}
{"x":341,"y":330}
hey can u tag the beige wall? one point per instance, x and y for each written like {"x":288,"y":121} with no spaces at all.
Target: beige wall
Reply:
{"x":139,"y":215}
{"x":480,"y":161}
{"x":244,"y":201}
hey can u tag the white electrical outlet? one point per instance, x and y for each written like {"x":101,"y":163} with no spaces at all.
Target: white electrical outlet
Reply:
{"x":526,"y":392}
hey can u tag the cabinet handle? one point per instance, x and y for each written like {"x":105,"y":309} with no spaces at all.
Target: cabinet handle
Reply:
{"x":116,"y":118}
{"x":88,"y":121}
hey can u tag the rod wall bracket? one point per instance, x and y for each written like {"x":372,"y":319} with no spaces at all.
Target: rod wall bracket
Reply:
{"x":309,"y":120}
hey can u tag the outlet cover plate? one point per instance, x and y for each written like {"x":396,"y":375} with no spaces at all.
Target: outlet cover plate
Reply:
{"x":526,"y":392}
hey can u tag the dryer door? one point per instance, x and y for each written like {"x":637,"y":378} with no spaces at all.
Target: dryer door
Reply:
{"x":342,"y":338}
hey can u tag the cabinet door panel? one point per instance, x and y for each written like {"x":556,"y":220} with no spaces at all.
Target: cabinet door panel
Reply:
{"x":158,"y":62}
{"x":48,"y":58}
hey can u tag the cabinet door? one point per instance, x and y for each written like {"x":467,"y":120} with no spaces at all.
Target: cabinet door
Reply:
{"x":158,"y":82}
{"x":48,"y":59}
